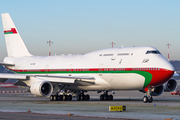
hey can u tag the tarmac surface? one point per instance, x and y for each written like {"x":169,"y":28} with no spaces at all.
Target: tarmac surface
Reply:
{"x":26,"y":106}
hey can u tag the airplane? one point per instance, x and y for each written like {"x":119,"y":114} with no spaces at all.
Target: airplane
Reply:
{"x":113,"y":69}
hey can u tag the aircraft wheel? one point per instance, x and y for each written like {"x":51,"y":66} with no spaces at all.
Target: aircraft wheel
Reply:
{"x":55,"y":97}
{"x":65,"y":97}
{"x":150,"y":100}
{"x":87,"y":97}
{"x":82,"y":97}
{"x":145,"y":99}
{"x":51,"y":97}
{"x":78,"y":97}
{"x":105,"y":97}
{"x":70,"y":98}
{"x":101,"y":97}
{"x":60,"y":97}
{"x":110,"y":97}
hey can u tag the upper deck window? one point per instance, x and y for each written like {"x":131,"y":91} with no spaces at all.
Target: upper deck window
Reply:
{"x":119,"y":54}
{"x":153,"y":52}
{"x":108,"y":55}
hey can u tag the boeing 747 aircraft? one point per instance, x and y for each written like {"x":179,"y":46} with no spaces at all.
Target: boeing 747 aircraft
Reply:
{"x":113,"y":69}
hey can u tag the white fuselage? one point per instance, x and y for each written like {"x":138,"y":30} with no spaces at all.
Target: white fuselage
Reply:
{"x":113,"y":68}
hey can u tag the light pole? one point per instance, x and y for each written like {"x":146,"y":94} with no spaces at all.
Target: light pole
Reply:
{"x":112,"y":44}
{"x":168,"y":50}
{"x":49,"y":47}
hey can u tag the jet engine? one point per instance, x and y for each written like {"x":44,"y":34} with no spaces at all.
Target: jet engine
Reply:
{"x":170,"y":85}
{"x":41,"y":88}
{"x":158,"y":91}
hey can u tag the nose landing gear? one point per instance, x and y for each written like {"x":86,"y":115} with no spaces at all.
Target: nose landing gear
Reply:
{"x":148,"y":97}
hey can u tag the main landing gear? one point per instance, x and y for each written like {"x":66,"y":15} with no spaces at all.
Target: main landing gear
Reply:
{"x":82,"y":97}
{"x":105,"y":96}
{"x":60,"y":97}
{"x":148,"y":97}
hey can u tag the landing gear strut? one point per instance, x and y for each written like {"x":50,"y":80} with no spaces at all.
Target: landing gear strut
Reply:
{"x":148,"y":97}
{"x":105,"y":96}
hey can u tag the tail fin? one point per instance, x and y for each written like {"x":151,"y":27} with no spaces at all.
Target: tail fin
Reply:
{"x":14,"y":43}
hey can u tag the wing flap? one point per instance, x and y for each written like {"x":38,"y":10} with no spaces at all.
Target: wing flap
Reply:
{"x":67,"y":77}
{"x":59,"y":79}
{"x":62,"y":80}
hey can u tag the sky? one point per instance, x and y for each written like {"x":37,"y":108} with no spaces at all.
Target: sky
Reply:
{"x":81,"y":26}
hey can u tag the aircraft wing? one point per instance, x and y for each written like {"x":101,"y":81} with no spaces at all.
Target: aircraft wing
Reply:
{"x":7,"y":64}
{"x":60,"y":79}
{"x":67,"y":77}
{"x":12,"y":76}
{"x":175,"y":74}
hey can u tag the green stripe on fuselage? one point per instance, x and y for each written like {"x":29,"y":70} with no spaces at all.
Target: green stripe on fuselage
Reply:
{"x":146,"y":75}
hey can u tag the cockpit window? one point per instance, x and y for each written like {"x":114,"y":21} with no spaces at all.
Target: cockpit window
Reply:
{"x":153,"y":52}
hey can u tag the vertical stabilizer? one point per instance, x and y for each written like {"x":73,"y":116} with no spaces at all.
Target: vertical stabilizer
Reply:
{"x":14,"y":43}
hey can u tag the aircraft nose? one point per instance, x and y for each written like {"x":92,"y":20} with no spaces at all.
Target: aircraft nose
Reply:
{"x":162,"y":75}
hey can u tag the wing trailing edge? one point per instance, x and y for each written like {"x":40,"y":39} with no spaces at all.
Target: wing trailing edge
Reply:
{"x":58,"y":79}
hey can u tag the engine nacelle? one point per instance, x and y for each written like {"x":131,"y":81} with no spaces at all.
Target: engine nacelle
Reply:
{"x":41,"y":88}
{"x":170,"y":85}
{"x":158,"y":91}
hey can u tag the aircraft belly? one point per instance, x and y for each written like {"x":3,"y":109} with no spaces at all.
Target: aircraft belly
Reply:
{"x":125,"y":81}
{"x":99,"y":85}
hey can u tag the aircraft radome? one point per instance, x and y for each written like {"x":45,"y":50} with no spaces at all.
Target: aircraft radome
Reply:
{"x":62,"y":77}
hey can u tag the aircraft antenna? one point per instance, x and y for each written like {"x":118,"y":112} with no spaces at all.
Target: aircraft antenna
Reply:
{"x":112,"y":44}
{"x":168,"y":49}
{"x":49,"y":46}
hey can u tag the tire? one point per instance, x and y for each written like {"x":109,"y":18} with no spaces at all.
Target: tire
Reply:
{"x":105,"y":97}
{"x":51,"y":98}
{"x":101,"y":97}
{"x":65,"y":97}
{"x":60,"y":97}
{"x":145,"y":99}
{"x":82,"y":97}
{"x":70,"y":98}
{"x":55,"y":97}
{"x":150,"y":100}
{"x":87,"y":97}
{"x":78,"y":97}
{"x":110,"y":97}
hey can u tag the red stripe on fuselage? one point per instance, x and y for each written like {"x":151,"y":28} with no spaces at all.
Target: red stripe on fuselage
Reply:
{"x":160,"y":77}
